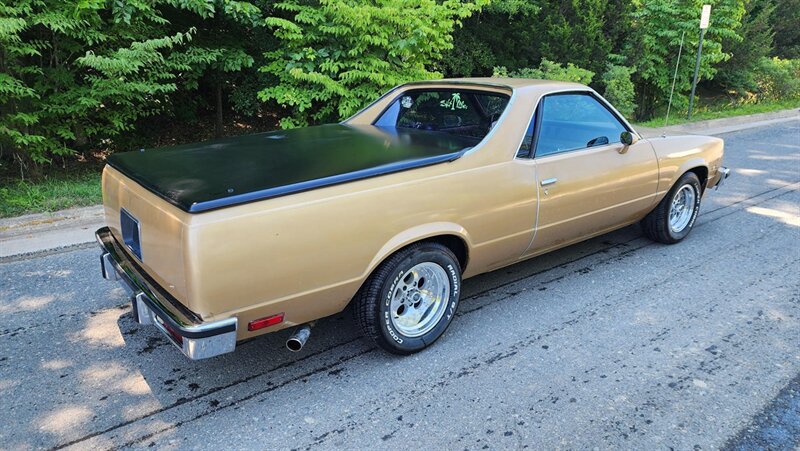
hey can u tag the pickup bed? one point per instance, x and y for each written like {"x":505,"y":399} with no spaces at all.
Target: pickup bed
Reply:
{"x":217,"y":174}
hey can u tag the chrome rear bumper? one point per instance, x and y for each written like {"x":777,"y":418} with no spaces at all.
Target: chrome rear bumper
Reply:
{"x":153,"y":305}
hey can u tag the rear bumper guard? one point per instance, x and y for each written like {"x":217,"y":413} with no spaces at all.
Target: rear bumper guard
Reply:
{"x":195,"y":338}
{"x":724,"y":173}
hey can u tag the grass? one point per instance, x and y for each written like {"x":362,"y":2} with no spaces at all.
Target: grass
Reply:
{"x":50,"y":194}
{"x":719,"y":111}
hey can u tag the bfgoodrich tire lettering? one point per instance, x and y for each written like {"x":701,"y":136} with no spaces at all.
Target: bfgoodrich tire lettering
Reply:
{"x":674,"y":217}
{"x":392,"y":288}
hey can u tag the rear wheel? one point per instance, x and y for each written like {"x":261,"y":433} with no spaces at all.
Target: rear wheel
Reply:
{"x":410,"y":299}
{"x":674,"y":217}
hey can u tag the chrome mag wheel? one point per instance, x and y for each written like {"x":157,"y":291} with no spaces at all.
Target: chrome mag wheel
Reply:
{"x":420,"y":300}
{"x":682,"y":208}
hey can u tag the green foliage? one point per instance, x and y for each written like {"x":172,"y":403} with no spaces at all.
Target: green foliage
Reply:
{"x":754,"y":42}
{"x":77,"y":73}
{"x":101,"y":74}
{"x":549,"y":70}
{"x":619,"y":89}
{"x":50,"y":194}
{"x":777,"y":79}
{"x":574,"y":31}
{"x":483,"y":42}
{"x":243,"y":96}
{"x":786,"y":25}
{"x":654,"y":41}
{"x":618,"y":24}
{"x":708,"y":109}
{"x":514,"y":35}
{"x":336,"y":56}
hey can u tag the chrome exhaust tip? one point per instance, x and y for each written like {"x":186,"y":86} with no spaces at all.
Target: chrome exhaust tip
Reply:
{"x":298,"y":339}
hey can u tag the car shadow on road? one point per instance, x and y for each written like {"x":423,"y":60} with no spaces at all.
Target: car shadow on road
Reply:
{"x":172,"y":378}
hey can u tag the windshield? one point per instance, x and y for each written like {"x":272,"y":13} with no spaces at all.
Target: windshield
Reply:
{"x":462,"y":112}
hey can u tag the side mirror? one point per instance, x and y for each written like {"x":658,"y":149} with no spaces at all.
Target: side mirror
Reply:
{"x":628,"y":138}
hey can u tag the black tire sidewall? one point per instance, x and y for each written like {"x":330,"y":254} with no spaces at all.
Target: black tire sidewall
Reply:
{"x":691,"y":180}
{"x":396,"y":339}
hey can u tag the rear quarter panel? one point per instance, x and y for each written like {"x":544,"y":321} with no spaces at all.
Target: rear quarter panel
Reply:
{"x":307,"y":254}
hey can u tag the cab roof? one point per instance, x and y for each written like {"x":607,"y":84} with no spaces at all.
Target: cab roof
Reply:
{"x":506,"y":82}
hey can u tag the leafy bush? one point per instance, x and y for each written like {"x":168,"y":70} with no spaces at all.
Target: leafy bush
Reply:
{"x":98,"y":74}
{"x":655,"y":39}
{"x":785,"y":25}
{"x":549,"y":70}
{"x":754,"y":40}
{"x":619,"y":89}
{"x":575,"y":31}
{"x":483,"y":41}
{"x":336,"y":56}
{"x":519,"y":33}
{"x":73,"y":72}
{"x":777,"y":79}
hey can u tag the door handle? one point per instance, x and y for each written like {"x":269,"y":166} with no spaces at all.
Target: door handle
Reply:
{"x":549,"y":181}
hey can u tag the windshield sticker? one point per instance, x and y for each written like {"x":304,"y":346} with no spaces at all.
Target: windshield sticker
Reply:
{"x":454,"y":103}
{"x":406,"y":102}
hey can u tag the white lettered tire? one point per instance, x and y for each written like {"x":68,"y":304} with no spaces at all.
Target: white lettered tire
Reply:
{"x":411,"y":298}
{"x":674,"y":217}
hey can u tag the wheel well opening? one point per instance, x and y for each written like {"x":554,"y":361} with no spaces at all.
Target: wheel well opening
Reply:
{"x":702,"y":173}
{"x":455,"y":244}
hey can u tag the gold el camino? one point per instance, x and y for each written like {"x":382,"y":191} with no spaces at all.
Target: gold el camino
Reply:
{"x":389,"y":210}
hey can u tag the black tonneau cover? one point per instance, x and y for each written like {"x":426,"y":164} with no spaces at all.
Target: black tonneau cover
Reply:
{"x":231,"y":171}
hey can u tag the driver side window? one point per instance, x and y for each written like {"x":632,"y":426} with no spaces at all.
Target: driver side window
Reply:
{"x":575,"y":121}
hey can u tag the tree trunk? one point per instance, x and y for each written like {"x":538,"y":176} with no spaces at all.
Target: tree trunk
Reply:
{"x":28,"y":169}
{"x":218,"y":128}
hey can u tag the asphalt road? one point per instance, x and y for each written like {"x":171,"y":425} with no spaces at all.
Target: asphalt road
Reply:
{"x":617,"y":342}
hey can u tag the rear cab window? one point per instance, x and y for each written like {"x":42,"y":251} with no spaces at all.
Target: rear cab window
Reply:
{"x":463,"y":112}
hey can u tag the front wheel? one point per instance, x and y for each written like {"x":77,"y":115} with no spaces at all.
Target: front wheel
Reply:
{"x":673,"y":218}
{"x":410,"y":299}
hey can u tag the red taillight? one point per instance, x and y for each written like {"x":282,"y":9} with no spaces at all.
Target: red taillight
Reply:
{"x":265,"y":322}
{"x":174,"y":333}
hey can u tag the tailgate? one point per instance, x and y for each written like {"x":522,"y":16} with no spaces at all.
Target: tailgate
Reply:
{"x":157,"y":234}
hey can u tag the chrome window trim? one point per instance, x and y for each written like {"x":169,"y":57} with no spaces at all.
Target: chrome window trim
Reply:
{"x":533,"y":137}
